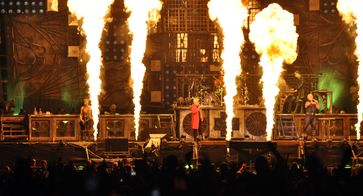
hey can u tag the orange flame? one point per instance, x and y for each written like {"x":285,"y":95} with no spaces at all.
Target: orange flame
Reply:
{"x":142,"y":12}
{"x":351,"y":11}
{"x":275,"y":38}
{"x":230,"y":14}
{"x":92,"y":13}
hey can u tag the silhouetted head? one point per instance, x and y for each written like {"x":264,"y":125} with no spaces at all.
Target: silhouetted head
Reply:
{"x":171,"y":162}
{"x":261,"y":165}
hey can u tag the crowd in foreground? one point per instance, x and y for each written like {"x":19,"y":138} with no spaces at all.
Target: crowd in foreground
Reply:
{"x":173,"y":177}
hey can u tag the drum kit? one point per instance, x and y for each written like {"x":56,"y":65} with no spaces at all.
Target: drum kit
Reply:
{"x":210,"y":95}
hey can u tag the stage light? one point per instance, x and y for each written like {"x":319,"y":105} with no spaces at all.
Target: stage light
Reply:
{"x":328,"y":6}
{"x":19,"y":7}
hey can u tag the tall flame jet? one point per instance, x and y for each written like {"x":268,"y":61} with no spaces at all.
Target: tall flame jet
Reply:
{"x":93,"y":15}
{"x":352,"y":13}
{"x":142,"y":12}
{"x":274,"y":34}
{"x":230,"y":15}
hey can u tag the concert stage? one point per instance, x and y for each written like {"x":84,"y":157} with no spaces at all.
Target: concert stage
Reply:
{"x":53,"y":136}
{"x":249,"y":124}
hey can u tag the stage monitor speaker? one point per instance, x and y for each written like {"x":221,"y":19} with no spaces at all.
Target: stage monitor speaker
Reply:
{"x":116,"y":145}
{"x":146,"y":133}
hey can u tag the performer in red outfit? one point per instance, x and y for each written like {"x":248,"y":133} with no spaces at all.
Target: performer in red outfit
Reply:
{"x":197,"y":118}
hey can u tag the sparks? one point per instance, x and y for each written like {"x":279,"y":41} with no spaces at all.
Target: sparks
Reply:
{"x":142,"y":12}
{"x":92,"y":14}
{"x":230,"y":15}
{"x":351,"y":11}
{"x":274,"y":34}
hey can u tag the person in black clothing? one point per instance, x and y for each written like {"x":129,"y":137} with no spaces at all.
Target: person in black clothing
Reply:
{"x":300,"y":93}
{"x":311,"y":106}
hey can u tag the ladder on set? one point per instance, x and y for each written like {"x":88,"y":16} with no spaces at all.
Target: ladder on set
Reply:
{"x":286,"y":128}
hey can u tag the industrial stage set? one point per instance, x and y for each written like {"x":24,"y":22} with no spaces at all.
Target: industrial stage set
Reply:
{"x":227,"y":80}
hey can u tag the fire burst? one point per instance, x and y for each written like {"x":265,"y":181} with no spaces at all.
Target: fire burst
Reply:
{"x":351,"y":10}
{"x":92,"y":14}
{"x":230,"y":15}
{"x":275,"y":38}
{"x":141,"y":12}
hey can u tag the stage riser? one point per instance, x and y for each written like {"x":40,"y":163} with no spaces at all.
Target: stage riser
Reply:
{"x":246,"y":126}
{"x":67,"y":128}
{"x":340,"y":126}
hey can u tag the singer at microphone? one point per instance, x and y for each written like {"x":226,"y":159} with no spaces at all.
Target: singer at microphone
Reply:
{"x":311,"y":106}
{"x":197,"y":118}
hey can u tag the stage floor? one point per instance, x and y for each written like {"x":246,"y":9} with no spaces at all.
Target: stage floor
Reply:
{"x":329,"y":152}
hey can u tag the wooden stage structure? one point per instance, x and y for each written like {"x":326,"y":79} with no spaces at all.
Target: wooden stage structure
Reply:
{"x":116,"y":137}
{"x":248,"y":125}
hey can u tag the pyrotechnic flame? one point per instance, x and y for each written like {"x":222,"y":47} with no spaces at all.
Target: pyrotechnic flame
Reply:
{"x":92,"y":14}
{"x":142,"y":12}
{"x":230,"y":15}
{"x":275,"y":38}
{"x":352,"y":13}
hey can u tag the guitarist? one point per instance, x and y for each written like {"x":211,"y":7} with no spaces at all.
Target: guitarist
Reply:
{"x":86,"y":120}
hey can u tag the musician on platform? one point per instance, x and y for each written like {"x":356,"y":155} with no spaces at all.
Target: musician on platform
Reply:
{"x":311,"y":106}
{"x":86,"y":120}
{"x":197,"y":118}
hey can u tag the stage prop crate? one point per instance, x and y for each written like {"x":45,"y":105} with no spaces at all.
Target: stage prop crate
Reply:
{"x":54,"y":128}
